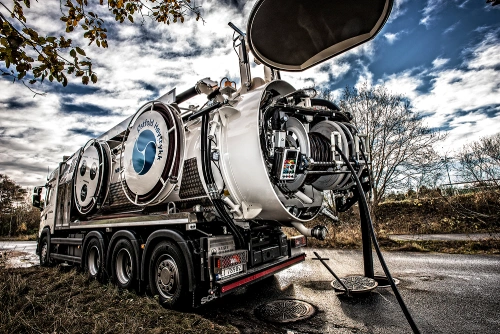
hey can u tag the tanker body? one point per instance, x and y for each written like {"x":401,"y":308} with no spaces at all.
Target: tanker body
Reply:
{"x":189,"y":203}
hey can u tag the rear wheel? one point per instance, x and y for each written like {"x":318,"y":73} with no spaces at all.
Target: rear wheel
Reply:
{"x":94,"y":260}
{"x":44,"y":252}
{"x":124,"y":266}
{"x":168,"y":276}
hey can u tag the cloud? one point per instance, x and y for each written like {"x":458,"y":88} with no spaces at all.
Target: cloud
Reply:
{"x":451,"y":28}
{"x":404,"y":83}
{"x":364,"y":75}
{"x":398,"y":9}
{"x":464,"y":100}
{"x":430,"y":11}
{"x":439,"y":62}
{"x":391,"y":38}
{"x":145,"y":60}
{"x":486,"y":54}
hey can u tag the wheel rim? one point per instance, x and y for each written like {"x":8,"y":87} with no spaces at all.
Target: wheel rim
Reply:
{"x":94,"y":260}
{"x":43,"y":253}
{"x":167,"y":276}
{"x":123,"y":266}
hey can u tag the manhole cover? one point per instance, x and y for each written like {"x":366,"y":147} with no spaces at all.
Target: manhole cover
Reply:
{"x":285,"y":310}
{"x":355,"y":284}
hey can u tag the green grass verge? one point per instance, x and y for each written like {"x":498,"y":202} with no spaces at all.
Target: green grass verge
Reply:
{"x":50,"y":300}
{"x":489,"y":246}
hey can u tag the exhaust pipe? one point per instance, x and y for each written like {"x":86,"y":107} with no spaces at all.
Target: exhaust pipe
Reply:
{"x":319,"y":232}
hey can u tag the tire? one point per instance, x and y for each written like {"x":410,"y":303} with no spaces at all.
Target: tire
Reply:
{"x":94,"y":260}
{"x":124,"y":265}
{"x":44,"y":252}
{"x":168,"y":276}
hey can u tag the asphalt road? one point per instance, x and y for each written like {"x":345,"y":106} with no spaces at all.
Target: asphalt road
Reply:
{"x":444,"y":293}
{"x":445,"y":237}
{"x":22,"y":246}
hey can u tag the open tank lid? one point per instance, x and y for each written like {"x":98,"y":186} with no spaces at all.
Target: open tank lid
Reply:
{"x":293,"y":35}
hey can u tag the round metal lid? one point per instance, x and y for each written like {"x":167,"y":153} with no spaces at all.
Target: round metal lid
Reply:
{"x":285,"y":311}
{"x":153,"y":153}
{"x":91,"y":176}
{"x":145,"y":152}
{"x":355,"y":284}
{"x":293,"y":35}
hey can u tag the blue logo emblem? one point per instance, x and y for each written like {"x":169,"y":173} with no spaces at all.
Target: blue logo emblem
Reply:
{"x":144,"y":152}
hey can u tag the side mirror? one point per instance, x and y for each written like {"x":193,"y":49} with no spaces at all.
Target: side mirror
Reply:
{"x":36,"y":197}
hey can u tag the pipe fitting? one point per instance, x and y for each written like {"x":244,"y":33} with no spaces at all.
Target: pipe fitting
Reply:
{"x":319,"y":232}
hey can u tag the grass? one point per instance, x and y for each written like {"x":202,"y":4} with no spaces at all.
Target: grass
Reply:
{"x":52,"y":300}
{"x":489,"y":246}
{"x":469,"y":213}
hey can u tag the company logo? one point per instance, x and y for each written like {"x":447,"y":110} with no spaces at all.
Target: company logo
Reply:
{"x":144,"y":152}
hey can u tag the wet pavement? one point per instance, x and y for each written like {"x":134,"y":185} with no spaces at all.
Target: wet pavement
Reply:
{"x":22,"y":246}
{"x":18,"y":254}
{"x":445,"y":293}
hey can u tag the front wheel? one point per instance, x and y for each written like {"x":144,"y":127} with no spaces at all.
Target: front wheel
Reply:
{"x":44,"y":252}
{"x":168,"y":276}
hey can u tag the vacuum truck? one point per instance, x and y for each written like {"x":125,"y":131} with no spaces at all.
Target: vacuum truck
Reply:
{"x":189,"y":202}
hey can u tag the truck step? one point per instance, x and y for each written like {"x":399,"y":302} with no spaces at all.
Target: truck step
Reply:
{"x":68,"y":258}
{"x":66,"y":241}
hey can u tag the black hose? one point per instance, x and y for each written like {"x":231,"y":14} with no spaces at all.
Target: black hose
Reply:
{"x":362,"y":201}
{"x":186,"y":95}
{"x":209,"y":180}
{"x":205,"y":111}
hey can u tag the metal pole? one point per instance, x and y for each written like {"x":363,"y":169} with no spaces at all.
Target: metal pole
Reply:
{"x":366,"y":241}
{"x":331,"y":271}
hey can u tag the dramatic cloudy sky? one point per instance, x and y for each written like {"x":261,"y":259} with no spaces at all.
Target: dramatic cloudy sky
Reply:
{"x":443,"y":55}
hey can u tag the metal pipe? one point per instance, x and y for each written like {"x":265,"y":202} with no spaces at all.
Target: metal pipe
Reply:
{"x":303,"y":197}
{"x":319,"y":232}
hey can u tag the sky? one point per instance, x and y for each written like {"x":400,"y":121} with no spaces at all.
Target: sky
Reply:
{"x":443,"y":55}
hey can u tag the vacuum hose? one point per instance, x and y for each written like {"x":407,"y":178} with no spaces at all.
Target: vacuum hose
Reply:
{"x":362,"y":201}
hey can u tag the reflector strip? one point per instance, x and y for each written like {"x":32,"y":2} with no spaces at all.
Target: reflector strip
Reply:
{"x":253,"y":277}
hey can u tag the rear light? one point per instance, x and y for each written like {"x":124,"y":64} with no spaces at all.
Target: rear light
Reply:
{"x":236,"y":260}
{"x":298,"y":241}
{"x":230,"y":259}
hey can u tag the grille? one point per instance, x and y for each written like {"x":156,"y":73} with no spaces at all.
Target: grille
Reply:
{"x":191,"y":185}
{"x":285,"y":310}
{"x":117,"y":201}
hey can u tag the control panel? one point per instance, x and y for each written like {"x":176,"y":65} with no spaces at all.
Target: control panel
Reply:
{"x":287,"y":163}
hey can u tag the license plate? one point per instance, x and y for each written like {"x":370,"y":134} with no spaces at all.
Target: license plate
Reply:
{"x":232,"y":270}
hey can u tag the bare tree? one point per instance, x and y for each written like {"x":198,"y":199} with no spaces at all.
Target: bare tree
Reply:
{"x":480,"y":161}
{"x":426,"y":174}
{"x":10,"y":195}
{"x":397,"y":136}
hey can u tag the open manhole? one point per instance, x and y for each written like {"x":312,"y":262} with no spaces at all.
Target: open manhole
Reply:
{"x":383,"y":282}
{"x":355,"y":284}
{"x":285,"y":310}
